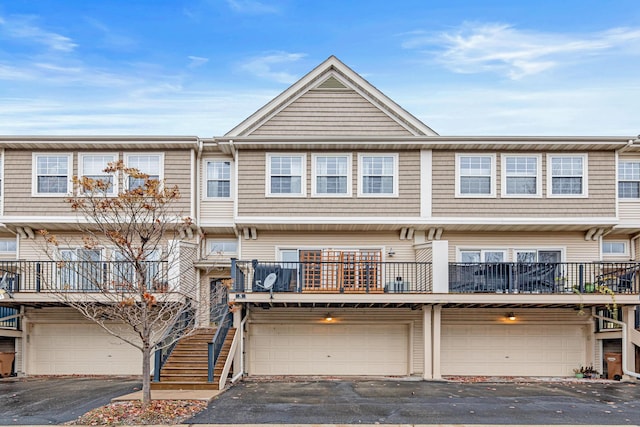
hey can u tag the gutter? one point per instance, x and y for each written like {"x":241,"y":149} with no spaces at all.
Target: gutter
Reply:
{"x":624,"y":343}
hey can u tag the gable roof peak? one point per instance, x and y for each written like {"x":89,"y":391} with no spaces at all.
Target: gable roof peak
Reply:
{"x":343,"y":76}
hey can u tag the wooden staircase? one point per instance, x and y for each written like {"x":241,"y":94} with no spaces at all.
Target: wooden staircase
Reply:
{"x":187,"y":366}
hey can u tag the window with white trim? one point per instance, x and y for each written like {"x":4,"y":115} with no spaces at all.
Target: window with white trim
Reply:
{"x":286,"y":174}
{"x":475,"y":175}
{"x":331,"y":175}
{"x":80,"y":269}
{"x":51,"y":174}
{"x":614,"y":248}
{"x":482,"y":255}
{"x":222,"y":246}
{"x":567,"y":175}
{"x":629,"y":180}
{"x":150,"y":164}
{"x":521,"y":176}
{"x":218,"y":179}
{"x":93,"y":166}
{"x":378,"y":175}
{"x":538,"y":255}
{"x":8,"y":246}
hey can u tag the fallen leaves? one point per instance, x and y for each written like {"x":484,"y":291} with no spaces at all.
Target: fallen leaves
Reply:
{"x":133,"y":413}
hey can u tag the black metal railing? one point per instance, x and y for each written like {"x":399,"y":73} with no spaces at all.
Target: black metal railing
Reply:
{"x":183,"y":323}
{"x":557,"y":277}
{"x":215,"y":346}
{"x":332,"y":277}
{"x":7,"y":319}
{"x":81,"y":276}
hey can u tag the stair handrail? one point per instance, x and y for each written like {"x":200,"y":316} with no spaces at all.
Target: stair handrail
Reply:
{"x":227,"y":363}
{"x":215,"y":346}
{"x":168,"y":342}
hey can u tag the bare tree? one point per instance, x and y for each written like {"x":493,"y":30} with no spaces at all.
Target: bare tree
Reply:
{"x":147,"y":293}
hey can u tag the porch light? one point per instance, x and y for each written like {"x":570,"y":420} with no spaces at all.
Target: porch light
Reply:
{"x":511,"y":315}
{"x":391,"y":253}
{"x":328,"y":317}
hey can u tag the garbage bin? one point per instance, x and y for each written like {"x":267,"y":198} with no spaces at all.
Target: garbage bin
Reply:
{"x":6,"y":362}
{"x":614,"y":365}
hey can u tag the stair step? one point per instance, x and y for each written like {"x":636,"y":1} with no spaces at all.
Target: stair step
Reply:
{"x":193,"y":385}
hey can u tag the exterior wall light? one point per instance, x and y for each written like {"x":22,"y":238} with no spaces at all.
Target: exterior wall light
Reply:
{"x":511,"y":315}
{"x":328,"y":317}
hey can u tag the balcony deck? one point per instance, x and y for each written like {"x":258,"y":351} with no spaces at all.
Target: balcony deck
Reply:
{"x":42,"y":282}
{"x":412,"y":284}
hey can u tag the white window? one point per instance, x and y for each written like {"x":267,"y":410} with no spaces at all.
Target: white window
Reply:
{"x":567,"y":175}
{"x":80,"y":269}
{"x":1,"y":173}
{"x":93,"y":166}
{"x":222,"y":246}
{"x":8,"y":246}
{"x":286,"y":175}
{"x":331,"y":175}
{"x":521,"y":176}
{"x":538,"y":255}
{"x":482,"y":255}
{"x":150,"y":164}
{"x":218,"y":179}
{"x":51,"y":174}
{"x":614,"y":248}
{"x":378,"y":175}
{"x":629,"y":180}
{"x":475,"y":175}
{"x":125,"y":276}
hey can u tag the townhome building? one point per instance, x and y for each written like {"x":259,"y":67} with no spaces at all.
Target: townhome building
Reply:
{"x":355,"y":240}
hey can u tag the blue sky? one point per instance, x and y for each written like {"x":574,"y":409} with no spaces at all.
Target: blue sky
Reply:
{"x":199,"y":67}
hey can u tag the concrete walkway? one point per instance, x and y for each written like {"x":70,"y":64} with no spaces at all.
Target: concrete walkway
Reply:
{"x":206,"y":395}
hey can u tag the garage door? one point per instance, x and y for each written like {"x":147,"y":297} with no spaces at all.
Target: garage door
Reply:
{"x":528,"y":350}
{"x":339,"y":349}
{"x":82,"y":348}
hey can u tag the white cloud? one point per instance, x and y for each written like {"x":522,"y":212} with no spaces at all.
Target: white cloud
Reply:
{"x":23,"y":28}
{"x":197,"y":61}
{"x":516,"y":53}
{"x":264,"y":66}
{"x":252,"y":7}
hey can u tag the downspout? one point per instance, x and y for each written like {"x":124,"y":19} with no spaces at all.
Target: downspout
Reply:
{"x":624,"y":343}
{"x":239,"y":375}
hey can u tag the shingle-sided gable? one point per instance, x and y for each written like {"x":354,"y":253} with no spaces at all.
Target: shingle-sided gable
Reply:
{"x":331,"y":100}
{"x":331,"y":112}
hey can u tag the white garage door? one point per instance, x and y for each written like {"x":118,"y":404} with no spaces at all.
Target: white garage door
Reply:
{"x":338,"y":349}
{"x":527,"y":350}
{"x":79,"y":348}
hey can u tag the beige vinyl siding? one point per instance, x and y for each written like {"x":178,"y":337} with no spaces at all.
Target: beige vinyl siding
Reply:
{"x":330,"y":113}
{"x":253,"y":202}
{"x":18,"y":182}
{"x":17,"y":187}
{"x":575,"y":248}
{"x":266,"y":246}
{"x":601,"y":189}
{"x":629,"y":212}
{"x":413,"y":318}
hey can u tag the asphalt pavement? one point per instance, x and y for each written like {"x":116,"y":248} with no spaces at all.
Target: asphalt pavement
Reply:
{"x":49,"y":400}
{"x":584,"y":402}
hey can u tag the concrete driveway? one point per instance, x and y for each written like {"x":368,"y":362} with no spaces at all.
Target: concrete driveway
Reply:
{"x":425,"y":402}
{"x":57,"y":400}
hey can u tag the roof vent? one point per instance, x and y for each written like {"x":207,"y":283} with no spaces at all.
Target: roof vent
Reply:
{"x":331,"y":83}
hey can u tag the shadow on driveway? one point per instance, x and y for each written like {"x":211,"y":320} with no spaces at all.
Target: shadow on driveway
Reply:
{"x":425,"y":402}
{"x":46,"y":400}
